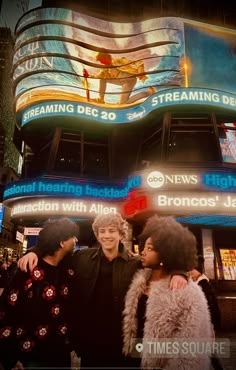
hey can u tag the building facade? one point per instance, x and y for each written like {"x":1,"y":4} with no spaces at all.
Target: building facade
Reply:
{"x":10,"y":12}
{"x":127,"y":117}
{"x":9,"y":156}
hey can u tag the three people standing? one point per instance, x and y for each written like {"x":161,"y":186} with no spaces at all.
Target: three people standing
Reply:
{"x":102,"y":277}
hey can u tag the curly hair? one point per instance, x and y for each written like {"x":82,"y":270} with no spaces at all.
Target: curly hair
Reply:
{"x":54,"y":233}
{"x":111,"y":219}
{"x":176,"y":244}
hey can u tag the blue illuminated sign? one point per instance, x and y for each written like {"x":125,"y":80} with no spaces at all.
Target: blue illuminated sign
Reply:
{"x":215,"y":180}
{"x":1,"y":215}
{"x":211,"y":220}
{"x":220,"y":181}
{"x":160,"y":99}
{"x":69,"y":188}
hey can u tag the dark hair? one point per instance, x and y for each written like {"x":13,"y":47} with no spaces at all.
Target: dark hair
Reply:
{"x":176,"y":244}
{"x":54,"y":233}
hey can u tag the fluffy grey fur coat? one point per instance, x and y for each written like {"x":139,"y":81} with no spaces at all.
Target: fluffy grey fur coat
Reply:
{"x":180,"y":313}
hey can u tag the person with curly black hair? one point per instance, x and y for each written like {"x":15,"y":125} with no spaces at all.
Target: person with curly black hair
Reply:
{"x":33,"y":305}
{"x":153,"y":311}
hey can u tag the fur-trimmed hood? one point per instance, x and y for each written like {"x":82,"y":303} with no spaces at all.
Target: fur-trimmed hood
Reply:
{"x":180,"y":313}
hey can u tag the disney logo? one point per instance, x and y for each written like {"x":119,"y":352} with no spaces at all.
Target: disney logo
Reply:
{"x":134,"y":115}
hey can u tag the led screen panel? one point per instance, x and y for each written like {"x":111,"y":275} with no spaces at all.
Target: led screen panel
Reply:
{"x":211,"y":52}
{"x":63,"y":55}
{"x":143,"y":56}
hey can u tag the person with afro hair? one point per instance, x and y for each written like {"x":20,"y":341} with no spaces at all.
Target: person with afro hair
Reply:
{"x":153,"y":311}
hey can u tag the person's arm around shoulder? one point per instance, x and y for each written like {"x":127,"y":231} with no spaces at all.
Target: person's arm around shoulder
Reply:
{"x":29,"y":260}
{"x":179,"y":280}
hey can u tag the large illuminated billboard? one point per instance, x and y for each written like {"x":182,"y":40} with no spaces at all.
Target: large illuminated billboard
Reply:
{"x":66,"y":56}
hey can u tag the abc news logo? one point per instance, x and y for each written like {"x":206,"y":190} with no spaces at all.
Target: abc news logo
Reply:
{"x":156,"y":179}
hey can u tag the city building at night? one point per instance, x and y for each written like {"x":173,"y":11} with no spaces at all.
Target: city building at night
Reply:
{"x":9,"y":156}
{"x":10,"y":12}
{"x":127,"y":117}
{"x":10,"y":159}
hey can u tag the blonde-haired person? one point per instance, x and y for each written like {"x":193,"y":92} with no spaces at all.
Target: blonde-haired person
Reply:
{"x":153,"y":312}
{"x":111,"y":219}
{"x":103,"y":276}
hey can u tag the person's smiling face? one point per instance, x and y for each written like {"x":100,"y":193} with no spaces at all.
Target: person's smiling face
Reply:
{"x":109,"y":237}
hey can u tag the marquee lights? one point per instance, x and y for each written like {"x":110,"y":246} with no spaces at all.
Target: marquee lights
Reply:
{"x":196,"y":202}
{"x":68,"y":207}
{"x":221,"y":181}
{"x":167,"y":202}
{"x":76,"y":189}
{"x":151,"y":180}
{"x":175,"y":191}
{"x":158,"y":100}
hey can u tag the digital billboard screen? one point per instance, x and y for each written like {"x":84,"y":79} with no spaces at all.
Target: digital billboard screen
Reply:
{"x":65,"y":55}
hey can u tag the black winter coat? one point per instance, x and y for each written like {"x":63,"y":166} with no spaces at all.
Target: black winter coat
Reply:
{"x":209,"y":292}
{"x":86,"y":264}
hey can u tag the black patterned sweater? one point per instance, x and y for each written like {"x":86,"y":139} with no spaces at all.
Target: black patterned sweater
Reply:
{"x":33,"y":315}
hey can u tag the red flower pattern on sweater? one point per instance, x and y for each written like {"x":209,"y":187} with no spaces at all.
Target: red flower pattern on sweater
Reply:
{"x":37,"y":274}
{"x":13,"y":296}
{"x":49,"y":292}
{"x":27,"y":345}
